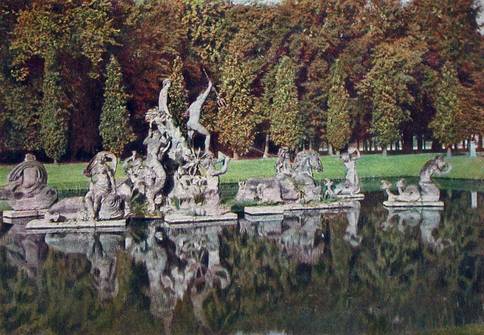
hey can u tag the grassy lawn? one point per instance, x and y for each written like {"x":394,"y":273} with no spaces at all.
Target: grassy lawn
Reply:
{"x":474,"y":329}
{"x":69,"y":176}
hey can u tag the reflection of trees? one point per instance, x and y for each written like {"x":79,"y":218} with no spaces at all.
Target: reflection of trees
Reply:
{"x":267,"y":277}
{"x":416,"y":269}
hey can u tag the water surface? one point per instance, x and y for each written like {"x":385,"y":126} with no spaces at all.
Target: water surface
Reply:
{"x":366,"y":270}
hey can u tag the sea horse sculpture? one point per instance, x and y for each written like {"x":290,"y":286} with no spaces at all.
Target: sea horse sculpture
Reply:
{"x":293,"y":182}
{"x":426,"y":191}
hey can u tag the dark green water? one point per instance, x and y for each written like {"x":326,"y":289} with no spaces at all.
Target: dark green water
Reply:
{"x":363,"y":271}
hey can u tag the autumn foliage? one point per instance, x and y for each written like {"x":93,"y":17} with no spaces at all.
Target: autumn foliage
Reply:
{"x":302,"y":72}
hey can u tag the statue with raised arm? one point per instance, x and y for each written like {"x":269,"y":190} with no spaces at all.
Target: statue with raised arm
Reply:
{"x":193,"y":113}
{"x":163,"y":97}
{"x":27,"y":186}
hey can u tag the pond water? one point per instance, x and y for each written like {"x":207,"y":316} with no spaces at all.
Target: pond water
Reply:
{"x":366,"y":270}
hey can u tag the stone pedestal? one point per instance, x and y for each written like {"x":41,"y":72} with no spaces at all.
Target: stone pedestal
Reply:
{"x":46,"y":226}
{"x":22,"y":217}
{"x":206,"y":220}
{"x":271,"y":213}
{"x":357,"y":196}
{"x":402,"y":204}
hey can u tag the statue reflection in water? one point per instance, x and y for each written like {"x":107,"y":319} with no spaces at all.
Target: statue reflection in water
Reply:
{"x":302,"y":237}
{"x":24,"y":251}
{"x":181,"y":262}
{"x":353,"y":216}
{"x":300,"y":234}
{"x":428,"y":219}
{"x":100,"y":250}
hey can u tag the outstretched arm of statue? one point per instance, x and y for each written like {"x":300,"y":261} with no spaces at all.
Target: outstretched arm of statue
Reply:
{"x":356,"y":154}
{"x":163,"y":98}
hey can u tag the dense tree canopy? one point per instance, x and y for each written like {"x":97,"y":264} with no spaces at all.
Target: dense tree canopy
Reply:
{"x":273,"y":63}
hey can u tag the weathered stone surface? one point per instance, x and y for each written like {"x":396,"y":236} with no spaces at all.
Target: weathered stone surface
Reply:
{"x":174,"y":177}
{"x":267,"y":211}
{"x":72,"y":225}
{"x":27,"y":188}
{"x":178,"y":219}
{"x":357,"y":196}
{"x":350,"y":188}
{"x":413,"y":203}
{"x":70,"y":205}
{"x":425,"y":193}
{"x":102,"y":201}
{"x":293,"y":181}
{"x":22,"y":217}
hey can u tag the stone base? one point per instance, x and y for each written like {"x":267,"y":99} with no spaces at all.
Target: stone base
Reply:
{"x":413,"y":204}
{"x":22,"y":217}
{"x":207,"y":220}
{"x":45,"y":226}
{"x":357,"y":196}
{"x":271,"y":213}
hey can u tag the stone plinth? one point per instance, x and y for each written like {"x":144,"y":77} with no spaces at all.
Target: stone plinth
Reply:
{"x":357,"y":196}
{"x":272,"y":213}
{"x":43,"y":225}
{"x":206,"y":220}
{"x":22,"y":217}
{"x":264,"y":213}
{"x":402,"y":204}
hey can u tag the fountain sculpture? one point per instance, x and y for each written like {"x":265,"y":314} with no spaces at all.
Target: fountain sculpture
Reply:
{"x":27,"y":191}
{"x":425,"y":194}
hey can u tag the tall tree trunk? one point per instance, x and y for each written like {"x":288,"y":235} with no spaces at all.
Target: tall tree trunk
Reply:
{"x":384,"y":150}
{"x":449,"y":151}
{"x":266,"y":147}
{"x":236,"y":155}
{"x":330,"y":150}
{"x":419,"y":143}
{"x":436,"y":146}
{"x":407,"y":142}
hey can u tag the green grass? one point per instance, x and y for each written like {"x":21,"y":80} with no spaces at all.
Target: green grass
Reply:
{"x":474,"y":329}
{"x":69,"y":176}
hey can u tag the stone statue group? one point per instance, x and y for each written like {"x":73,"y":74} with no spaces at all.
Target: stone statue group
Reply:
{"x":294,"y":180}
{"x":173,"y":176}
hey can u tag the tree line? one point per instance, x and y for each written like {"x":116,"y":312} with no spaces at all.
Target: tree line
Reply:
{"x":78,"y":76}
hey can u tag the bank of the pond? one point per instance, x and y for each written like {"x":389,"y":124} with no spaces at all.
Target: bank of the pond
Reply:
{"x":69,"y":176}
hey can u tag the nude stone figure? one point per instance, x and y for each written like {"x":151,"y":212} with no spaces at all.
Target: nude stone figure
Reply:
{"x":193,"y":113}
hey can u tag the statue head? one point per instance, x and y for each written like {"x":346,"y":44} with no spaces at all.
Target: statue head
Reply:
{"x":30,"y":157}
{"x":345,"y":157}
{"x":385,"y":185}
{"x":401,"y":183}
{"x":166,"y":83}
